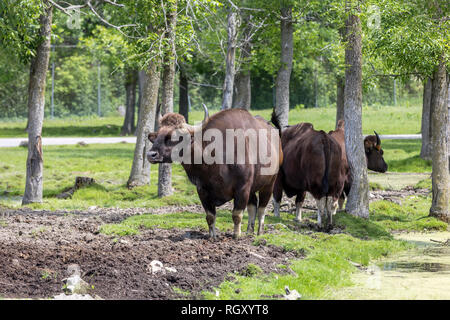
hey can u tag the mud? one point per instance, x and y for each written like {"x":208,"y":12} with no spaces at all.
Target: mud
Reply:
{"x":36,"y":249}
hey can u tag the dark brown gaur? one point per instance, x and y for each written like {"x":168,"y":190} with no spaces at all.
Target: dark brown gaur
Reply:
{"x":312,"y":163}
{"x":219,"y":183}
{"x":373,"y":151}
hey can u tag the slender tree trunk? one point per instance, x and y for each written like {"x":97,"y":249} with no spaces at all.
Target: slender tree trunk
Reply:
{"x":141,"y":79}
{"x":440,"y":177}
{"x":358,"y":198}
{"x":168,"y":78}
{"x":228,"y":85}
{"x":340,"y":90}
{"x":131,"y":79}
{"x":184,"y":95}
{"x":36,"y":101}
{"x":284,"y":73}
{"x":425,"y":152}
{"x":140,"y":170}
{"x":448,"y":120}
{"x":242,"y":89}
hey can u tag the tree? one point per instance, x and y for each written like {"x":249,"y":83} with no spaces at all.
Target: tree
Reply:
{"x":439,"y":126}
{"x":36,"y":100}
{"x":140,"y":169}
{"x":228,"y":85}
{"x":242,"y":88}
{"x":284,"y":72}
{"x":168,"y":78}
{"x":414,"y":40}
{"x":425,"y":151}
{"x":131,"y":79}
{"x":184,"y":94}
{"x":358,"y":198}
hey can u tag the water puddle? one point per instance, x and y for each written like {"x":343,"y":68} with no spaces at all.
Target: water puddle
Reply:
{"x":421,"y":273}
{"x":405,"y":266}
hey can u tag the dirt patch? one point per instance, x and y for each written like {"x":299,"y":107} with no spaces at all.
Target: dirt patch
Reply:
{"x":36,"y":249}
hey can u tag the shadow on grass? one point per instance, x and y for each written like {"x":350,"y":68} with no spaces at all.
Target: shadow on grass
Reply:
{"x":87,"y":152}
{"x":411,"y":164}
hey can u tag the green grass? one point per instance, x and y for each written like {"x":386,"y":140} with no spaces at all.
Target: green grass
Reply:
{"x":72,"y":127}
{"x":109,"y":165}
{"x":411,"y":215}
{"x":385,"y":120}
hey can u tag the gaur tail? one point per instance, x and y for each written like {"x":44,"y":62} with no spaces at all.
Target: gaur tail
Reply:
{"x":327,"y":154}
{"x":276,"y":123}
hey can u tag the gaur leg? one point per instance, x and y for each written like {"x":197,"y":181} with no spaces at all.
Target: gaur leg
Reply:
{"x":332,"y":204}
{"x":321,"y":207}
{"x":251,"y":208}
{"x":240,"y":203}
{"x":210,"y":213}
{"x":277,"y":194}
{"x":264,"y":198}
{"x":341,"y":202}
{"x":211,"y":220}
{"x":298,"y":206}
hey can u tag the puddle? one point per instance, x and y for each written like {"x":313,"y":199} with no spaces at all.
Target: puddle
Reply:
{"x":422,"y":273}
{"x":405,"y":266}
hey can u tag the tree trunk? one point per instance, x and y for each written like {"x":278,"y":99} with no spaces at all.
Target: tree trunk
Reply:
{"x":141,"y":80}
{"x":168,"y":78}
{"x":36,"y":101}
{"x":242,"y":89}
{"x":358,"y":198}
{"x":184,"y":95}
{"x":284,"y":73}
{"x":440,"y":177}
{"x":140,"y":170}
{"x":228,"y":85}
{"x":425,"y":152}
{"x":131,"y":79}
{"x":340,"y":89}
{"x":448,"y":120}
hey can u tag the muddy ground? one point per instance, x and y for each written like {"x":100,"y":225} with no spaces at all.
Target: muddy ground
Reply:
{"x":37,"y":248}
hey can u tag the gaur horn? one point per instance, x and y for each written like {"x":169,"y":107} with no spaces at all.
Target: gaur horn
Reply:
{"x":378,"y":146}
{"x":192,"y":129}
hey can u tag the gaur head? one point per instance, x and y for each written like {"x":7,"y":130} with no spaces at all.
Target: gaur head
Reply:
{"x":374,"y":153}
{"x":169,"y":125}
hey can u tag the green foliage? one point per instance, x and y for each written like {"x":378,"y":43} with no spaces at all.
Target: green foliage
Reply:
{"x":19,"y":27}
{"x":413,"y":35}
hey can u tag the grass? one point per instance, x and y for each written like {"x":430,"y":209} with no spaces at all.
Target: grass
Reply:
{"x":411,"y":215}
{"x":72,"y":127}
{"x":109,"y":165}
{"x":385,"y":120}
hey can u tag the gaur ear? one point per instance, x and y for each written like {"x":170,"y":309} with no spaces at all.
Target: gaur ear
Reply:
{"x":152,"y":136}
